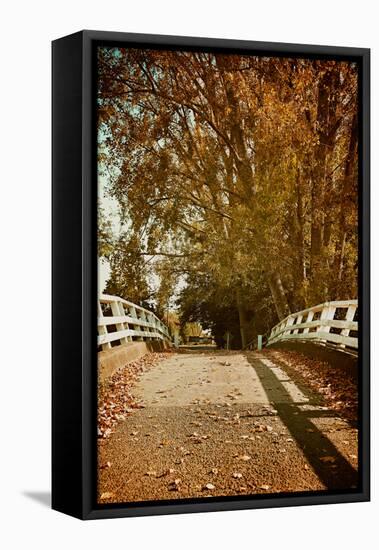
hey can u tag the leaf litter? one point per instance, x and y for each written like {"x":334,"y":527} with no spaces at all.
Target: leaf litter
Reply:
{"x":115,"y":398}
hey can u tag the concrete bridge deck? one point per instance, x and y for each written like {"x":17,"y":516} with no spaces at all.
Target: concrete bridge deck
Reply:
{"x":218,"y":423}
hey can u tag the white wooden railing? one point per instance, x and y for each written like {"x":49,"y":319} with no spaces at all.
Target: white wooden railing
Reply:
{"x":129,"y":322}
{"x":329,"y":323}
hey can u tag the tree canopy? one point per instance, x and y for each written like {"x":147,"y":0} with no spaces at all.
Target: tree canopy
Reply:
{"x":236,"y":178}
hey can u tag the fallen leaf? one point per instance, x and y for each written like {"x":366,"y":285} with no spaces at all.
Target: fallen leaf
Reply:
{"x":107,"y":494}
{"x":174,"y":485}
{"x":209,"y":486}
{"x":166,"y":472}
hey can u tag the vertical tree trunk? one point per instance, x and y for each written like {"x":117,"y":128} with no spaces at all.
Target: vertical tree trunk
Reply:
{"x":347,"y":191}
{"x":278,"y":295}
{"x":301,"y":263}
{"x":244,"y":323}
{"x":242,"y":162}
{"x":318,"y":176}
{"x":327,"y":126}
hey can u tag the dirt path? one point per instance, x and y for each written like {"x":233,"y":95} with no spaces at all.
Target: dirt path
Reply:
{"x":225,"y":424}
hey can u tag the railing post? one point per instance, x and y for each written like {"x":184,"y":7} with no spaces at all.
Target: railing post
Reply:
{"x":349,"y":317}
{"x":155,"y":321}
{"x":133,"y":314}
{"x":259,"y":342}
{"x":309,"y":320}
{"x":142,"y":317}
{"x":118,"y":311}
{"x":102,"y":328}
{"x":152,"y":325}
{"x":327,"y":314}
{"x":298,"y":321}
{"x":290,"y":322}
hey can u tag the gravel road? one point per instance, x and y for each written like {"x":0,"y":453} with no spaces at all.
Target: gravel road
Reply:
{"x":222,"y":424}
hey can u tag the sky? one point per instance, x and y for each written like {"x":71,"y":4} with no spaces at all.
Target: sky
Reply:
{"x":110,"y":208}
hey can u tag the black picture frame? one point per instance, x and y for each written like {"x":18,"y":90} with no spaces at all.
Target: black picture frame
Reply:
{"x":74,"y":273}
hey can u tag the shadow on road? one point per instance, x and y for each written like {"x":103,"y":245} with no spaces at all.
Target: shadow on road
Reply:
{"x":329,"y":464}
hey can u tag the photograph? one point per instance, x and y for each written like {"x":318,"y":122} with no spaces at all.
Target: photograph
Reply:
{"x":228,"y":274}
{"x":187,"y":196}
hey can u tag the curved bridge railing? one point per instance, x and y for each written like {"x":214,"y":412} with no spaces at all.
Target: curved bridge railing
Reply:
{"x":333,"y":323}
{"x":121,"y":321}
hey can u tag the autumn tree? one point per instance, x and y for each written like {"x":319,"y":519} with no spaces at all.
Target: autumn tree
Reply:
{"x":236,"y":174}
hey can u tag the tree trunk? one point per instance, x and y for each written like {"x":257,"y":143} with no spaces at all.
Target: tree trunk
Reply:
{"x":278,"y":295}
{"x":243,"y":320}
{"x":318,"y":176}
{"x":301,"y":263}
{"x":242,"y":162}
{"x":347,"y":191}
{"x":327,"y":128}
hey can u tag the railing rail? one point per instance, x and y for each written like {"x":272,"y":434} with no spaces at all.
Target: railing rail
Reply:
{"x":328,"y":323}
{"x":129,"y":321}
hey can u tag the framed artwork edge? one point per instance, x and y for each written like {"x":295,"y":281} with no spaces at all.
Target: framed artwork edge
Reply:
{"x":74,"y":279}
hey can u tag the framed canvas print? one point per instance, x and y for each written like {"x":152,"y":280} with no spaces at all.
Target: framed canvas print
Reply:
{"x":210,"y":274}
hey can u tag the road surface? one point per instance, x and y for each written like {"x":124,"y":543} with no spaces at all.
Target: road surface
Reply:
{"x":218,"y":423}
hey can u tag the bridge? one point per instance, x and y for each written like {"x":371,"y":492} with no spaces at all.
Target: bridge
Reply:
{"x":332,"y":324}
{"x":183,"y":423}
{"x":122,"y":322}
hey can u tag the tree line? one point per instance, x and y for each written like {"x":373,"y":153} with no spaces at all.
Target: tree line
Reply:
{"x":236,"y":178}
